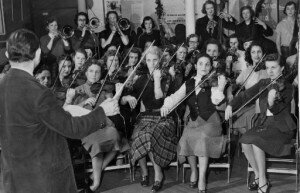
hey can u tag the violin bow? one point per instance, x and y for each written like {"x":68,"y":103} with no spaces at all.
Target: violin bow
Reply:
{"x":167,"y":63}
{"x":148,"y":80}
{"x":118,"y":94}
{"x":258,"y":94}
{"x":187,"y":95}
{"x":119,"y":68}
{"x":79,"y":71}
{"x":56,"y":78}
{"x":106,"y":76}
{"x":258,"y":63}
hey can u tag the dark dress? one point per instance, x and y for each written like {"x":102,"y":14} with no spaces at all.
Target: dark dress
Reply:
{"x":145,"y":37}
{"x":272,"y":133}
{"x":116,"y":40}
{"x":89,"y":41}
{"x":35,"y":155}
{"x":205,"y":34}
{"x":256,"y":32}
{"x":151,"y":133}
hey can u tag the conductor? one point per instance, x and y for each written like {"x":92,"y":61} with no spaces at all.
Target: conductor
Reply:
{"x":33,"y":126}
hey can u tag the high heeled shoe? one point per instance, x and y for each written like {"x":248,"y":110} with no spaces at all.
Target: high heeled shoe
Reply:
{"x":193,"y":184}
{"x":145,"y":181}
{"x":267,"y":190}
{"x":202,"y":191}
{"x":254,"y":185}
{"x":157,"y":186}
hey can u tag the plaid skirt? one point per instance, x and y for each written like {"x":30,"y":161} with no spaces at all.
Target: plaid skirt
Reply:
{"x":157,"y":135}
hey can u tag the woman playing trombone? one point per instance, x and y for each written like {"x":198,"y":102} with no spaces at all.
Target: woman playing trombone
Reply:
{"x":202,"y":137}
{"x":274,"y":128}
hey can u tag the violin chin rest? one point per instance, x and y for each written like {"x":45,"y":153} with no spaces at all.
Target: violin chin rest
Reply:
{"x":76,"y":111}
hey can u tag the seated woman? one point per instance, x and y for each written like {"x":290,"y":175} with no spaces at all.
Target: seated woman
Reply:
{"x":202,"y":137}
{"x":103,"y":144}
{"x":43,"y":75}
{"x":274,"y":128}
{"x":252,"y":56}
{"x":152,"y":135}
{"x":79,"y":58}
{"x":63,"y":79}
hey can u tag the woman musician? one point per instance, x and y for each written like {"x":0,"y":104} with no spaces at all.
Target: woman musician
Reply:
{"x":103,"y":144}
{"x":202,"y":137}
{"x":53,"y":45}
{"x":152,"y":136}
{"x":274,"y":128}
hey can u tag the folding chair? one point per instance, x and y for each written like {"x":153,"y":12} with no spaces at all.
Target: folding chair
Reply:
{"x":218,"y":163}
{"x":291,"y":161}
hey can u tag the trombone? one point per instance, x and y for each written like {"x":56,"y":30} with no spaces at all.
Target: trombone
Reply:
{"x":66,"y":32}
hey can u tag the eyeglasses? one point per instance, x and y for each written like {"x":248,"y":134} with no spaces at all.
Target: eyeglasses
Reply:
{"x":193,"y":42}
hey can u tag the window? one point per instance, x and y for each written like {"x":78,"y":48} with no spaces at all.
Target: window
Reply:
{"x":2,"y":23}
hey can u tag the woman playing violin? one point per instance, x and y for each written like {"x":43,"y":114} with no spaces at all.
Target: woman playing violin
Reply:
{"x":79,"y":58}
{"x":202,"y":137}
{"x":152,"y":135}
{"x":103,"y":144}
{"x":274,"y":128}
{"x":253,"y":56}
{"x":64,"y":78}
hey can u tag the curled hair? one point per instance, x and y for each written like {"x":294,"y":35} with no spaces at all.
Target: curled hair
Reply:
{"x":288,"y":4}
{"x":134,"y":50}
{"x":22,"y":45}
{"x":64,"y":58}
{"x":110,"y":53}
{"x":107,"y":15}
{"x":214,"y":42}
{"x":147,"y":18}
{"x":248,"y":58}
{"x":193,"y":36}
{"x":50,"y":20}
{"x":40,"y":68}
{"x":80,"y":50}
{"x":275,"y":57}
{"x":81,"y":13}
{"x":201,"y":55}
{"x":93,"y":62}
{"x":207,"y":3}
{"x":245,"y":8}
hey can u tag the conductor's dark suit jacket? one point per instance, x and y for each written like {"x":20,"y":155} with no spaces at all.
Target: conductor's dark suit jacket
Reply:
{"x":33,"y":127}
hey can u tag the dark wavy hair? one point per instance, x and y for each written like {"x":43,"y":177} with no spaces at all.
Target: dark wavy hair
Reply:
{"x":248,"y":51}
{"x":245,"y":8}
{"x":81,"y":13}
{"x":147,"y":18}
{"x":288,"y":4}
{"x":207,"y":3}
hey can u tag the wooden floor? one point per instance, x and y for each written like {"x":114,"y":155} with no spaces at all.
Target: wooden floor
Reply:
{"x":119,"y":182}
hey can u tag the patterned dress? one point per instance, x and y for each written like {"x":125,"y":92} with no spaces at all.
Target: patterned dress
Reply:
{"x":153,"y":133}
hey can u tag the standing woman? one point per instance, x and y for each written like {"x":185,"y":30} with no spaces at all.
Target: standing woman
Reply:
{"x":83,"y":36}
{"x":285,"y":30}
{"x":149,"y":33}
{"x":202,"y":137}
{"x":53,"y":45}
{"x":152,"y":135}
{"x":112,"y":33}
{"x":254,"y":28}
{"x":207,"y":26}
{"x":274,"y":129}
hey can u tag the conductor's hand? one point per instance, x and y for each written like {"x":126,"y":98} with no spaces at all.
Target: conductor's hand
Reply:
{"x":164,"y":111}
{"x":228,"y":112}
{"x":110,"y":107}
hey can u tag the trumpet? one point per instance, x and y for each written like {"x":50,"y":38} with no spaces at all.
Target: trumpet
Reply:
{"x":124,"y":24}
{"x":66,"y":32}
{"x":94,"y":23}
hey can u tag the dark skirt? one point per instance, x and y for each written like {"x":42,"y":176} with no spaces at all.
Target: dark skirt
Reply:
{"x":105,"y":140}
{"x":244,"y":118}
{"x":152,"y":134}
{"x":202,"y":138}
{"x":269,"y":138}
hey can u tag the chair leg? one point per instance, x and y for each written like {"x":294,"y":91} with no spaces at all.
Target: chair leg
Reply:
{"x":183,"y":174}
{"x":177,"y":171}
